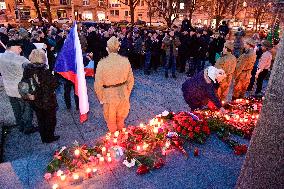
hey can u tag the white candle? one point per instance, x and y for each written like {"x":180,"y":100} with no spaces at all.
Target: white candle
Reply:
{"x":63,"y":177}
{"x":55,"y":186}
{"x":116,"y":133}
{"x":75,"y":176}
{"x":109,"y":159}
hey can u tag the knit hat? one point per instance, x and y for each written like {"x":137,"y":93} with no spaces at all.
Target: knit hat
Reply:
{"x":214,"y":73}
{"x":250,"y":41}
{"x":266,"y":44}
{"x":229,"y":45}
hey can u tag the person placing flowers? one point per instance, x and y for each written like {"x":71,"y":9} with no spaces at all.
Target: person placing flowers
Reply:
{"x":201,"y":89}
{"x":113,"y":85}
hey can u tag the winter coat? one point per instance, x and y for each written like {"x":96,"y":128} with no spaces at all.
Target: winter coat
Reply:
{"x":193,"y":47}
{"x":155,"y":48}
{"x":27,"y":48}
{"x":11,"y":69}
{"x":204,"y":46}
{"x":227,"y":63}
{"x":242,"y":73}
{"x":238,"y":43}
{"x":138,"y":45}
{"x":183,"y":49}
{"x":4,"y":39}
{"x":45,"y":97}
{"x":199,"y":90}
{"x":113,"y":70}
{"x":148,"y":45}
{"x":167,"y":42}
{"x":215,"y":46}
{"x":126,"y":47}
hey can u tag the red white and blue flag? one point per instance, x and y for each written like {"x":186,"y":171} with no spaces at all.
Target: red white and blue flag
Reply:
{"x":69,"y":64}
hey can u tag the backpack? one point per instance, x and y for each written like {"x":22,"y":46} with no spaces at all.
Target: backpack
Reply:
{"x":27,"y":87}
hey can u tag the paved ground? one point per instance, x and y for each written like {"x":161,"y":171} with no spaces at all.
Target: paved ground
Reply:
{"x":26,"y":158}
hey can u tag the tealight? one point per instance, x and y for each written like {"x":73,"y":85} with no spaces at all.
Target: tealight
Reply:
{"x":115,"y":140}
{"x":109,"y":159}
{"x":75,"y":176}
{"x":108,"y":154}
{"x":116,"y":133}
{"x":145,"y":146}
{"x":102,"y":159}
{"x":95,"y":170}
{"x":103,"y":150}
{"x":138,"y":148}
{"x":77,"y":152}
{"x":124,"y":130}
{"x":63,"y":177}
{"x":155,"y":130}
{"x":55,"y":186}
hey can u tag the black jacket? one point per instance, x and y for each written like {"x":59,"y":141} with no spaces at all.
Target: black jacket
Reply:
{"x":45,"y":97}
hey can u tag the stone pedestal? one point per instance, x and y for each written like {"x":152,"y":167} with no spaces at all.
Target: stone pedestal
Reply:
{"x":264,"y":160}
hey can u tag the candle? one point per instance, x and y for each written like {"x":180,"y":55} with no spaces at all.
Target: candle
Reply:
{"x":89,"y":172}
{"x":103,"y":150}
{"x":115,"y":140}
{"x":123,"y":129}
{"x":116,"y":133}
{"x":63,"y":177}
{"x":95,"y":170}
{"x":141,"y":125}
{"x":196,"y":152}
{"x":223,"y":102}
{"x":155,"y":130}
{"x":75,"y":176}
{"x":168,"y":143}
{"x":108,"y":154}
{"x":138,"y":148}
{"x":145,"y":146}
{"x":102,"y":159}
{"x":55,"y":186}
{"x":109,"y":159}
{"x":77,"y":152}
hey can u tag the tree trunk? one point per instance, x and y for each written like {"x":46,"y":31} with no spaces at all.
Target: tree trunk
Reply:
{"x":218,"y":20}
{"x":132,"y":11}
{"x":49,"y":16}
{"x":150,"y":15}
{"x":37,"y":10}
{"x":169,"y":22}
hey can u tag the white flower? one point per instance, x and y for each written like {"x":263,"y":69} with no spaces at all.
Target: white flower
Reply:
{"x":165,"y":113}
{"x":129,"y":164}
{"x":59,"y":173}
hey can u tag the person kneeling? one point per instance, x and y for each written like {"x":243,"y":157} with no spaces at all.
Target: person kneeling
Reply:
{"x":113,"y":85}
{"x":201,"y":89}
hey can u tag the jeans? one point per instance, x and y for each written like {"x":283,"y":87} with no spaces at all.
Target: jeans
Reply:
{"x":170,"y":62}
{"x":262,"y":75}
{"x":147,"y":61}
{"x":252,"y":79}
{"x":23,"y":113}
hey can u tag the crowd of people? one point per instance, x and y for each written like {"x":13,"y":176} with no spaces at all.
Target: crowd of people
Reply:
{"x":31,"y":53}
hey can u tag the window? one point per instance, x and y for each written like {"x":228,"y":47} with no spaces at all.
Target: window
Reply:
{"x":114,"y":12}
{"x":126,"y":2}
{"x":101,"y":3}
{"x":127,"y":13}
{"x":65,"y":2}
{"x":141,"y":3}
{"x":86,"y":2}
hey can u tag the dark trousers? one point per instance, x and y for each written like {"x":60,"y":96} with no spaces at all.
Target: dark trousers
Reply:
{"x":46,"y":123}
{"x":68,"y":85}
{"x":252,"y":79}
{"x":137,"y":60}
{"x":155,"y":61}
{"x":23,"y":113}
{"x":170,"y":63}
{"x":182,"y":59}
{"x":262,"y":75}
{"x":147,"y":64}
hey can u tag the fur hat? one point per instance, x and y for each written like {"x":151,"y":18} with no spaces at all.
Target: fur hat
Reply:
{"x":214,"y":73}
{"x":266,"y":44}
{"x":113,"y":44}
{"x":250,"y":41}
{"x":229,"y":45}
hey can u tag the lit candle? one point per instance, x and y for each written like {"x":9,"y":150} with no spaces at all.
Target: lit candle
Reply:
{"x":77,"y":152}
{"x":89,"y":172}
{"x":145,"y":146}
{"x":123,"y":130}
{"x":55,"y":186}
{"x":108,"y":154}
{"x":223,"y":102}
{"x":253,"y":117}
{"x":155,"y":130}
{"x":116,"y":133}
{"x":167,"y":144}
{"x":115,"y":140}
{"x":138,"y":148}
{"x":247,"y":101}
{"x":103,"y":150}
{"x":257,"y":116}
{"x":95,"y":170}
{"x":141,"y":125}
{"x":75,"y":176}
{"x":63,"y":177}
{"x":102,"y":159}
{"x":109,"y":159}
{"x":237,"y":116}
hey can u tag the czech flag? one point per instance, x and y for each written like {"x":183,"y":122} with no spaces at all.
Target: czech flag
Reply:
{"x":69,"y":64}
{"x":89,"y":69}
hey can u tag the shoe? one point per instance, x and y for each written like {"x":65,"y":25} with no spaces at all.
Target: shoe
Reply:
{"x":167,"y":75}
{"x":53,"y":139}
{"x":31,"y":130}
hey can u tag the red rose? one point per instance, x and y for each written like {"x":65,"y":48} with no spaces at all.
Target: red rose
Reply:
{"x":191,"y":135}
{"x":190,"y":128}
{"x":179,"y":129}
{"x":184,"y":132}
{"x":160,"y":163}
{"x":196,"y":152}
{"x":142,"y":169}
{"x":206,"y":130}
{"x":197,"y":129}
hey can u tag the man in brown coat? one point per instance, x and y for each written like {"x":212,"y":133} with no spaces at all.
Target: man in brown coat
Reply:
{"x":228,"y":63}
{"x":113,"y":84}
{"x":243,"y":70}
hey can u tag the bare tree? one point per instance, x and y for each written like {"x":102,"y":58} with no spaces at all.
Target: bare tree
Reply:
{"x":47,"y":5}
{"x":132,"y":5}
{"x":36,"y":5}
{"x":151,"y":4}
{"x":168,"y":9}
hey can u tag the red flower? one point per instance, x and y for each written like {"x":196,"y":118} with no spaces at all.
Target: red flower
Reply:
{"x":206,"y":130}
{"x":184,"y":132}
{"x":196,"y":152}
{"x":197,"y":129}
{"x":179,"y":129}
{"x":142,"y":169}
{"x":191,"y":135}
{"x":190,"y":128}
{"x":240,"y":149}
{"x":159,"y":164}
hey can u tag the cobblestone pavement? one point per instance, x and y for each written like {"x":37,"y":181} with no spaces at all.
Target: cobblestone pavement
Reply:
{"x":26,"y":157}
